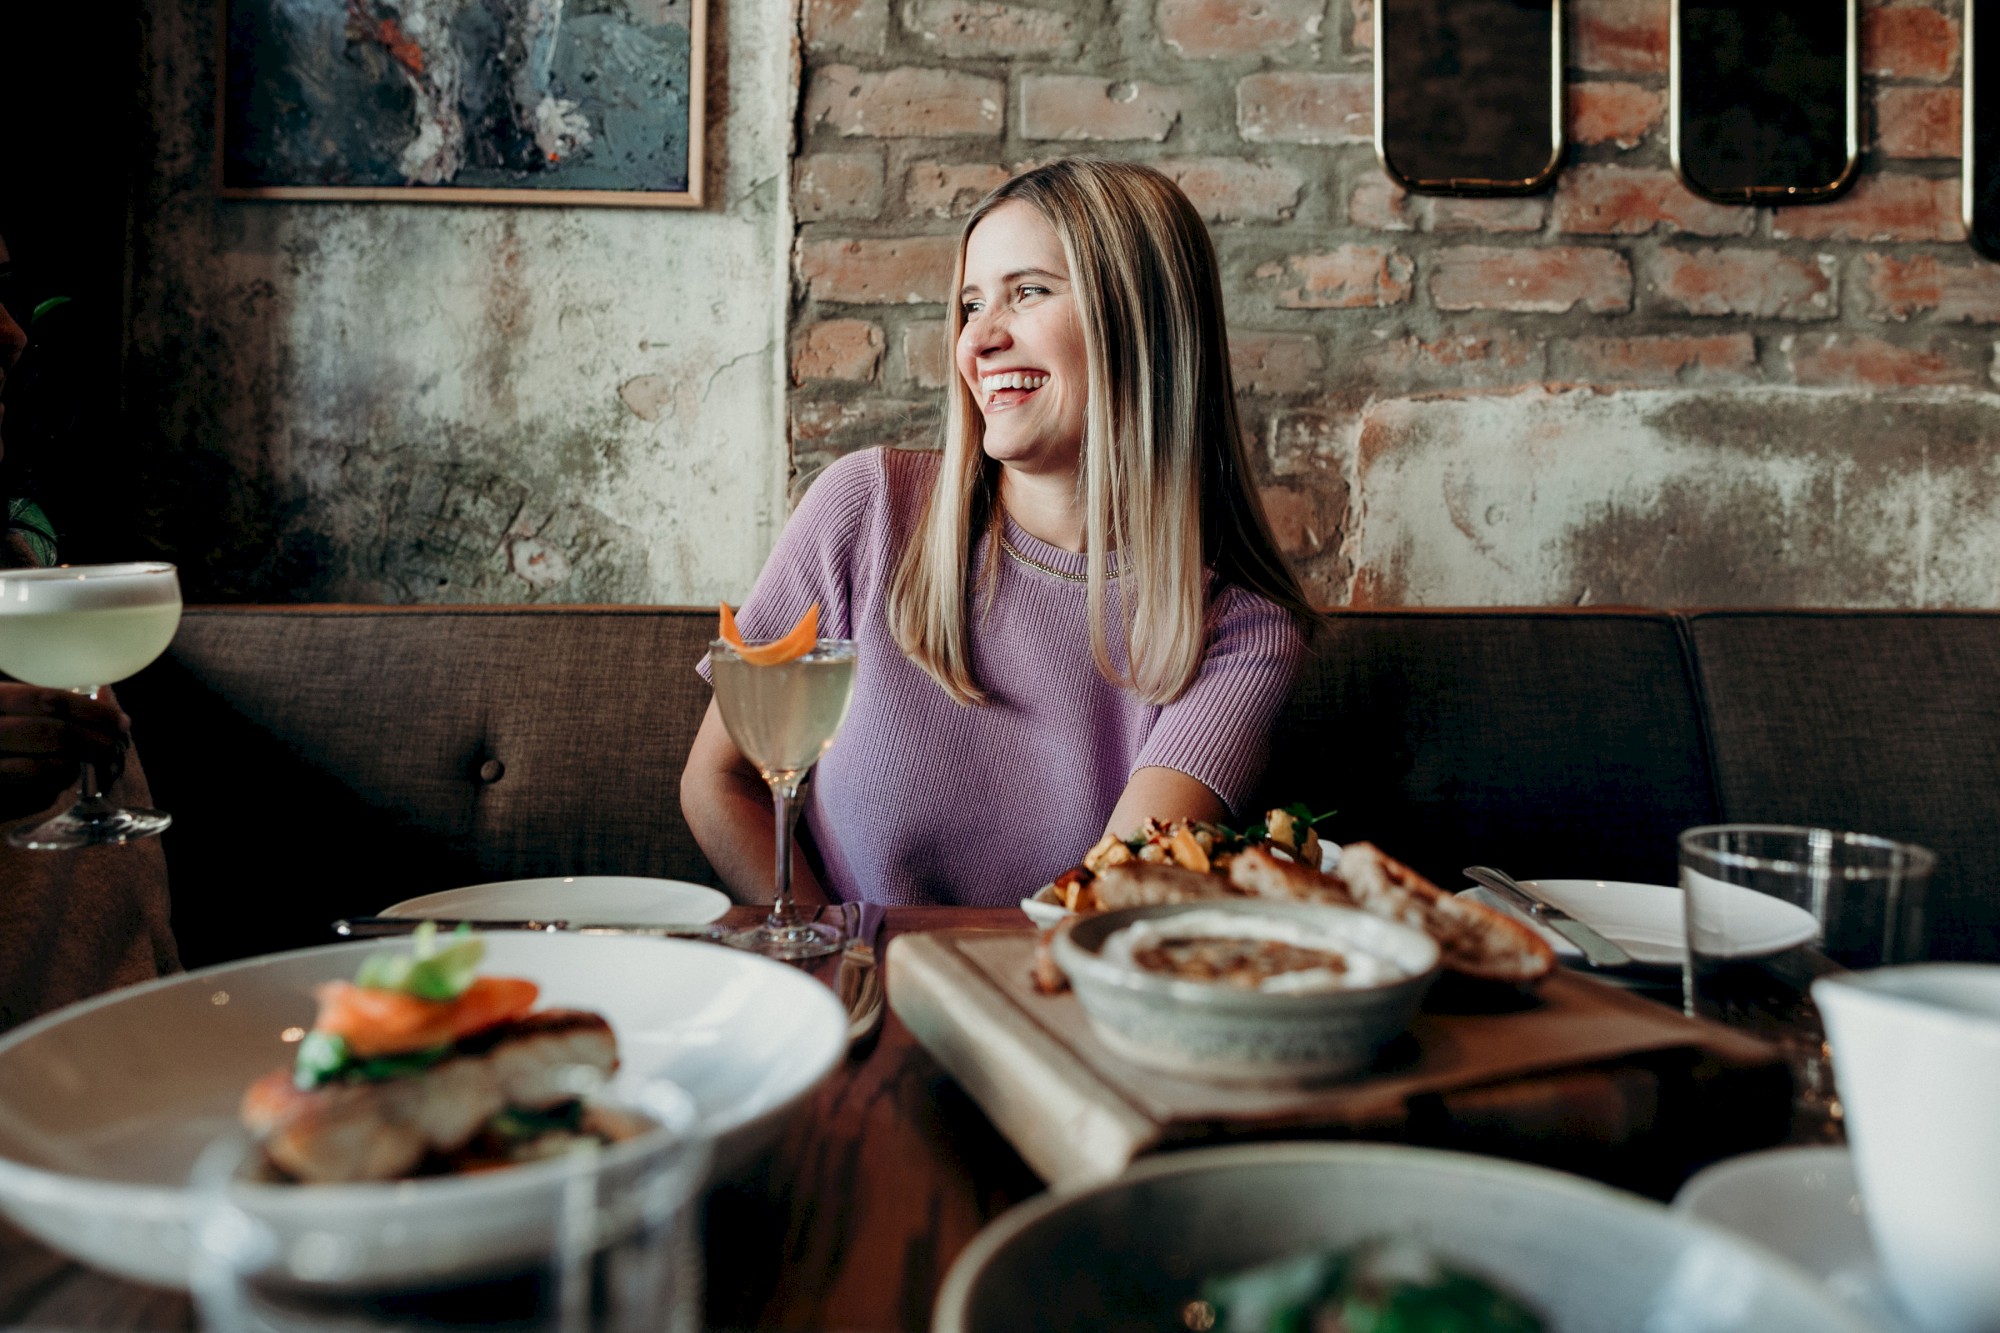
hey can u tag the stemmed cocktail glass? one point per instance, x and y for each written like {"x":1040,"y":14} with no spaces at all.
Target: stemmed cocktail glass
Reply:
{"x":783,"y":716}
{"x":81,"y":628}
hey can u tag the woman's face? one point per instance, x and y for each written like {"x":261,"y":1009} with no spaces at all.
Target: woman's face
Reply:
{"x":1021,"y":351}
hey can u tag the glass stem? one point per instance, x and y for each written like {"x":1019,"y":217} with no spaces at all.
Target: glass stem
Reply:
{"x":88,"y":794}
{"x":785,"y":806}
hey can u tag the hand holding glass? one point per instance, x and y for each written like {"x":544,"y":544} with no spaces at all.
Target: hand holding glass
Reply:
{"x":783,"y":717}
{"x":81,"y":628}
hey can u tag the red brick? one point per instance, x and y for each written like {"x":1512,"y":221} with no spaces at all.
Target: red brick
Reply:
{"x":837,"y":349}
{"x":1550,"y":280}
{"x":1856,"y":360}
{"x":1227,"y":189}
{"x":1900,"y":286}
{"x":914,"y":270}
{"x":837,"y":185}
{"x":1620,"y":36}
{"x":972,"y":29}
{"x":1456,"y":359}
{"x":905,"y":103}
{"x":1762,"y":284}
{"x":927,"y":353}
{"x":949,"y":189}
{"x":847,"y":25}
{"x":1298,"y":107}
{"x":1348,"y":278}
{"x":821,"y":423}
{"x":1878,"y":208}
{"x":1276,"y":362}
{"x":1918,"y":122}
{"x":1382,"y":204}
{"x":1082,"y":106}
{"x":1295,"y":521}
{"x":1445,"y":213}
{"x":1661,"y":360}
{"x":1617,"y":113}
{"x":1212,"y":28}
{"x":1602,"y":200}
{"x":1908,"y":42}
{"x":1361,"y":33}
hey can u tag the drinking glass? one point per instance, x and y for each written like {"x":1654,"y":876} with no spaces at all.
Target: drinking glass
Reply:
{"x":783,"y":717}
{"x":1769,"y":908}
{"x":80,"y":628}
{"x":593,"y":1240}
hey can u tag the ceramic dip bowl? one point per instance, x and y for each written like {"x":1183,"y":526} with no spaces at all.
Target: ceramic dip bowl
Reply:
{"x":1305,"y":1028}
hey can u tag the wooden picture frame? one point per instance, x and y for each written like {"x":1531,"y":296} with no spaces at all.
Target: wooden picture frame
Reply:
{"x":410,"y":101}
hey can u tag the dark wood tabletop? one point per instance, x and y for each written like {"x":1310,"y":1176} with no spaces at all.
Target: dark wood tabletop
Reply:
{"x":889,"y":1170}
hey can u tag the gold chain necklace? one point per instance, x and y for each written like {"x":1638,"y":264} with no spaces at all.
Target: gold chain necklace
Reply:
{"x":1033,"y":563}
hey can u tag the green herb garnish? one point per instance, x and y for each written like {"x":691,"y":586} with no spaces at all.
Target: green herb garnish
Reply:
{"x":427,"y":972}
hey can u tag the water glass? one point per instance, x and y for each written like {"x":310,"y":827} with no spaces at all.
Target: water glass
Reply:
{"x":1770,"y":907}
{"x":594,"y":1240}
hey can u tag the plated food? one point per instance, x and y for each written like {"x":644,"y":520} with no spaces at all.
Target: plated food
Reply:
{"x":1134,"y":1253}
{"x":419,"y":1066}
{"x":1279,"y":861}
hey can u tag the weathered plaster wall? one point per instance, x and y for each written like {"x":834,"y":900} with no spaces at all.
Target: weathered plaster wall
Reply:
{"x":1782,"y":406}
{"x":454,"y":403}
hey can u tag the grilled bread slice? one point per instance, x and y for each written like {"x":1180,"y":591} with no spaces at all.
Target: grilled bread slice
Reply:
{"x":1148,"y":884}
{"x":1475,"y":940}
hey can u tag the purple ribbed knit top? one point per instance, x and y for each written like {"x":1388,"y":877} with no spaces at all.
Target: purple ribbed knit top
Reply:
{"x":925,"y":800}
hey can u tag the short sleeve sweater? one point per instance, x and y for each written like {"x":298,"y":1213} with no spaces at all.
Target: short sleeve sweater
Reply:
{"x":922,"y":799}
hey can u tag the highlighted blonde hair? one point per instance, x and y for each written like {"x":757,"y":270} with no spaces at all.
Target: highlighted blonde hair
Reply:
{"x":1164,"y":479}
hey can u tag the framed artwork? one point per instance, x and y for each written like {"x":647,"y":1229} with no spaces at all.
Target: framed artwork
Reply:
{"x":471,"y":101}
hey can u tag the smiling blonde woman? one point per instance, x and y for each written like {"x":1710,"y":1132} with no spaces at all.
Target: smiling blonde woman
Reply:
{"x":1072,"y":618}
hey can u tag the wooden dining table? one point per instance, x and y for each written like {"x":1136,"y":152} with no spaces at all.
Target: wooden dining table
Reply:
{"x":850,"y":1222}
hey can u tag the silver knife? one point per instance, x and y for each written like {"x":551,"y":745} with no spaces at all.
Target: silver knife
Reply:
{"x":371,"y":927}
{"x":1600,"y":951}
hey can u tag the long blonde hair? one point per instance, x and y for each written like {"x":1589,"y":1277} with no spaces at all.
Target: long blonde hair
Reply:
{"x":1165,"y":480}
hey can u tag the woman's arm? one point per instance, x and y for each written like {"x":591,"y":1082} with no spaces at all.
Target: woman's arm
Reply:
{"x":1165,"y":794}
{"x":728,"y":807}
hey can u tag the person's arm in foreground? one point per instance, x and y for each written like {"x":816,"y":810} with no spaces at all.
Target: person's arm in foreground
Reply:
{"x":728,"y":808}
{"x":44,"y":735}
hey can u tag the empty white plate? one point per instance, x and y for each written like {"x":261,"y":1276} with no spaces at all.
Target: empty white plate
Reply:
{"x":1804,"y":1204}
{"x":1646,"y":919}
{"x":582,"y":900}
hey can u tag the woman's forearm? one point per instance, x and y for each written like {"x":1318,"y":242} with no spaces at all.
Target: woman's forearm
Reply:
{"x":729,"y":810}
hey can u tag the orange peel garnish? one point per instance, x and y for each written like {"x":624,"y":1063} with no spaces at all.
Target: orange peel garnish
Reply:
{"x":800,"y":641}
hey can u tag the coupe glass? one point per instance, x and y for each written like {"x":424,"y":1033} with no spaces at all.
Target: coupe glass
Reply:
{"x":783,"y":717}
{"x":80,"y":628}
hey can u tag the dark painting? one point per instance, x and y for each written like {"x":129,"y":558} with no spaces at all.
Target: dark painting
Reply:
{"x":326,"y":97}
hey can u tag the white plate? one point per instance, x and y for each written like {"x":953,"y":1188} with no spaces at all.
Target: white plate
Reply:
{"x":1045,"y":909}
{"x":1804,"y":1204}
{"x":1130,"y":1252}
{"x":105,"y":1105}
{"x":1646,"y":920}
{"x":584,"y":900}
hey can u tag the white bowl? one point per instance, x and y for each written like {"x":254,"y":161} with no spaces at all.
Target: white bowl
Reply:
{"x":582,"y":900}
{"x":1648,"y":920}
{"x":1229,"y":1035}
{"x":1130,"y":1253}
{"x":105,"y":1105}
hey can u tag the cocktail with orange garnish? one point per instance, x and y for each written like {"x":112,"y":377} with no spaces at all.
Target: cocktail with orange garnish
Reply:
{"x":782,"y":703}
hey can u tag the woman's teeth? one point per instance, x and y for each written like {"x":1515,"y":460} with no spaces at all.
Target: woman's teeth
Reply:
{"x":1013,"y":379}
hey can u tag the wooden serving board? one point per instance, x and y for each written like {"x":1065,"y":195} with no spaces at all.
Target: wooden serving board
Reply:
{"x":1078,"y":1113}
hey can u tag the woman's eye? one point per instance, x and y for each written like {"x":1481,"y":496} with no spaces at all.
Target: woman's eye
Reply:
{"x":1032,"y":290}
{"x":970,"y":308}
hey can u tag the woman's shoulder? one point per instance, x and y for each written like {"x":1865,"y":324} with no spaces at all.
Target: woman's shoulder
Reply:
{"x":1239,"y":613}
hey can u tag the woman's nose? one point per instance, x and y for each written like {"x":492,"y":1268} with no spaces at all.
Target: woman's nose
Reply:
{"x":988,"y":330}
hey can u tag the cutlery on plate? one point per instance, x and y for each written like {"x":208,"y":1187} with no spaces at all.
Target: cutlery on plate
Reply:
{"x":1600,"y":951}
{"x":370,"y":927}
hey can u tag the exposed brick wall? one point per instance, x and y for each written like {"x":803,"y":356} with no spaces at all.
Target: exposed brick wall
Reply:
{"x":1343,"y":292}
